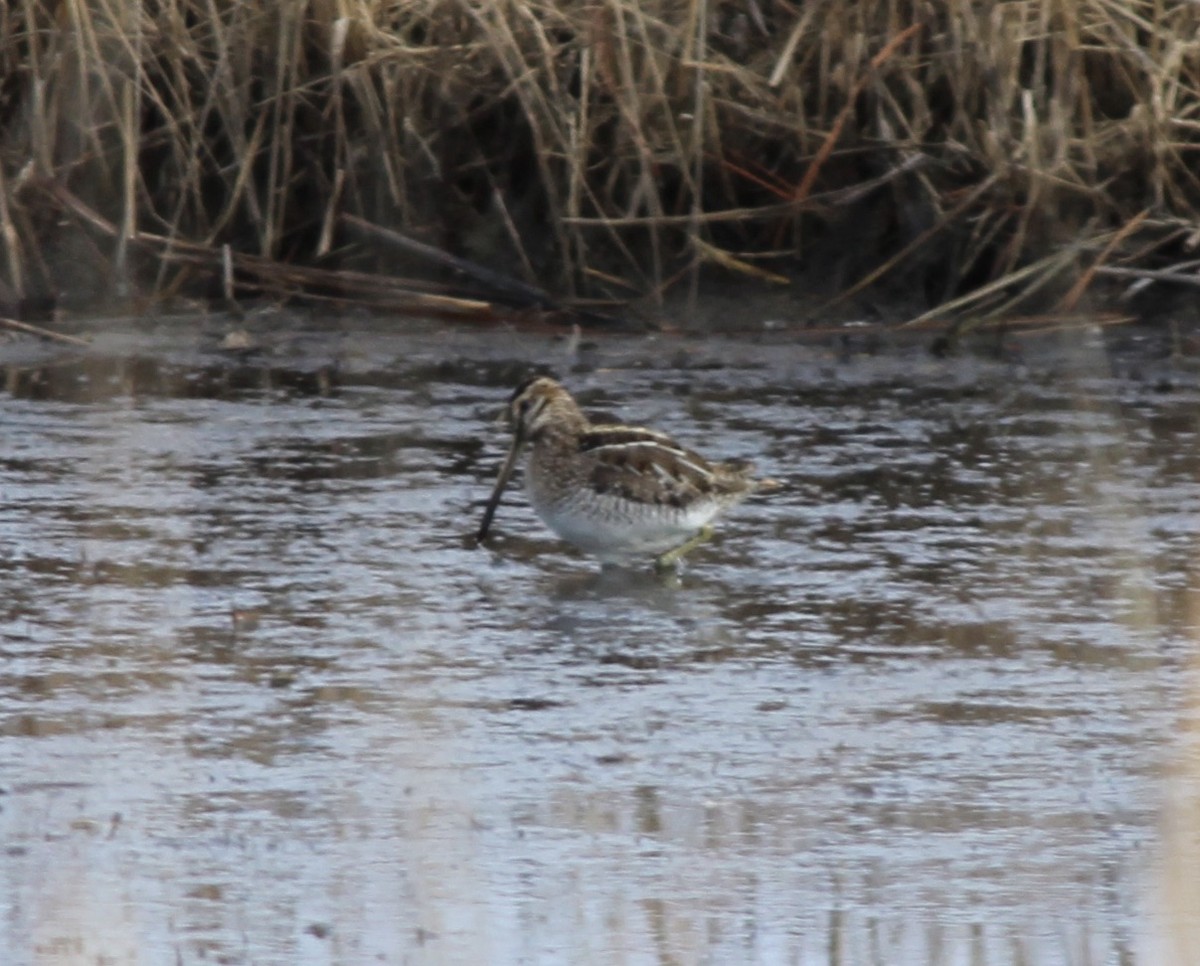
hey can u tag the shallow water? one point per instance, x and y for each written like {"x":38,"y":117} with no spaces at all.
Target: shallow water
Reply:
{"x":262,"y":700}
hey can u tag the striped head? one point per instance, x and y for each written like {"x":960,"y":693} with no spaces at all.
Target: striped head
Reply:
{"x":539,"y":403}
{"x":538,"y":406}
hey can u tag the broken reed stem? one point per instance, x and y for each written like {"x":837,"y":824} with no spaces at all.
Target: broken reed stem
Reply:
{"x":18,"y":326}
{"x":1071,"y":299}
{"x":494,"y":280}
{"x":1038,"y":269}
{"x":130,"y":111}
{"x":283,"y":114}
{"x":1179,"y":275}
{"x":823,"y":153}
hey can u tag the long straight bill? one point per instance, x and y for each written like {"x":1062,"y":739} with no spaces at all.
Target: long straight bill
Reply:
{"x":506,"y":470}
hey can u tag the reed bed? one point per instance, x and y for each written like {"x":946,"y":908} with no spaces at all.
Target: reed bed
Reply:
{"x":986,"y":159}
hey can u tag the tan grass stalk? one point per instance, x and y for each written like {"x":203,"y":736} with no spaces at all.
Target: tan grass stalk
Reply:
{"x":696,"y":35}
{"x":1042,"y":270}
{"x":810,"y":176}
{"x":12,"y":241}
{"x":1071,"y":299}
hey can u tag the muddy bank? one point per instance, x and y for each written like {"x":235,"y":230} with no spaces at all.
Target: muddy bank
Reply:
{"x":217,"y":356}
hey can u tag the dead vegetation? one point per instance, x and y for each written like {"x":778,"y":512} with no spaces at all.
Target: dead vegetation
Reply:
{"x":989,"y":160}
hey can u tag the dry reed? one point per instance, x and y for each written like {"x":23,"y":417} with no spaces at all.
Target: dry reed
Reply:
{"x":1009,"y":154}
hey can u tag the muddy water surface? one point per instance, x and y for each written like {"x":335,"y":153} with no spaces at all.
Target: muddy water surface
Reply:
{"x":262,"y":701}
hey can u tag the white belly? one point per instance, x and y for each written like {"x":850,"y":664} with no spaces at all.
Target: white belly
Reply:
{"x":614,"y":529}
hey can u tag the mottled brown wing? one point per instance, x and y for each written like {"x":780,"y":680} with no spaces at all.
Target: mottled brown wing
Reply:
{"x":645,"y":466}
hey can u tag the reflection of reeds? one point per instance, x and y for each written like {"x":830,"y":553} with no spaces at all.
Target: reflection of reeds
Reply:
{"x":591,"y":142}
{"x":1174,"y":928}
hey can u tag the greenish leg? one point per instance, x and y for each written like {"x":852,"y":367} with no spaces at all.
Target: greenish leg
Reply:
{"x":667,"y":561}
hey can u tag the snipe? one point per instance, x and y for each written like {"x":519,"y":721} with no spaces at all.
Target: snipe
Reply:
{"x":617,"y":492}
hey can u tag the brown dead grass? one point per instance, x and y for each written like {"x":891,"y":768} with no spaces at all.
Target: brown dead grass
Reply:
{"x":1008,"y":154}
